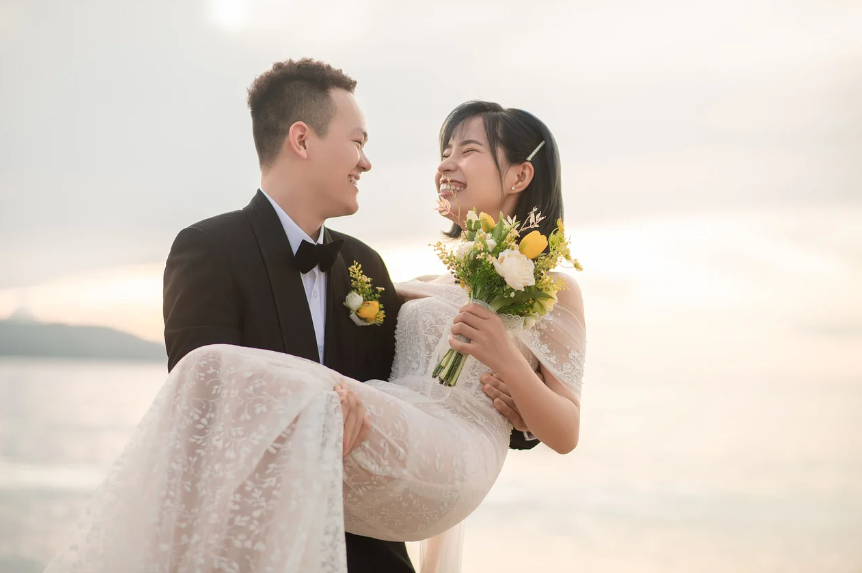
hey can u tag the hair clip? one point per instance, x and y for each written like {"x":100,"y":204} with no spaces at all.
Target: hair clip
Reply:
{"x":535,"y":151}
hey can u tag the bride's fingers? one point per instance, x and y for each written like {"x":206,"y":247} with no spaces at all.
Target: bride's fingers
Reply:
{"x":462,"y":347}
{"x":478,"y":310}
{"x":465,"y":329}
{"x":466,"y":317}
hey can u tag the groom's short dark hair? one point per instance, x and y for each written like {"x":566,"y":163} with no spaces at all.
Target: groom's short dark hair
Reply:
{"x":292,"y":91}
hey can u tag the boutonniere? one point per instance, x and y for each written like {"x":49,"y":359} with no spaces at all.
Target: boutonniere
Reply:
{"x":362,"y":301}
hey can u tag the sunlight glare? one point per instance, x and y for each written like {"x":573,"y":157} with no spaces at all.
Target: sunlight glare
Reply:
{"x":228,"y":14}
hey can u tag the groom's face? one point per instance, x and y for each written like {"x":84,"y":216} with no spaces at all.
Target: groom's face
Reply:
{"x":339,"y":159}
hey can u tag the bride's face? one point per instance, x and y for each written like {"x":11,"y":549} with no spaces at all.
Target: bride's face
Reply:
{"x":467,"y":176}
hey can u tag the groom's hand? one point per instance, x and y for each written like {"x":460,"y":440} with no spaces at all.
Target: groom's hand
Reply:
{"x":356,"y":424}
{"x":496,"y":389}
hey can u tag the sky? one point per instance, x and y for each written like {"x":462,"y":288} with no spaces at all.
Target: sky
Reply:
{"x":712,"y":151}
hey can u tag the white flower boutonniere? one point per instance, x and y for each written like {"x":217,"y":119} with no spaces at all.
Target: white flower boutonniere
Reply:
{"x":363,"y":300}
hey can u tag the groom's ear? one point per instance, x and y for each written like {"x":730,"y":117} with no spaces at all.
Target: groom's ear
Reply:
{"x":297,"y":139}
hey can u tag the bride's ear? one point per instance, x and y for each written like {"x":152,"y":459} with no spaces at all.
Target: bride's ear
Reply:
{"x":297,"y":139}
{"x":520,"y":177}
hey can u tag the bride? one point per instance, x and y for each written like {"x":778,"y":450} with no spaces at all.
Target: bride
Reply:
{"x":238,"y":466}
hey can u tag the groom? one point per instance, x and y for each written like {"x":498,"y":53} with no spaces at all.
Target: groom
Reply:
{"x":272,"y":276}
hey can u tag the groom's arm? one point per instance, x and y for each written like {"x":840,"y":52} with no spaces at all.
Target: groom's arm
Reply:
{"x":199,"y":303}
{"x":392,"y":305}
{"x":522,"y":440}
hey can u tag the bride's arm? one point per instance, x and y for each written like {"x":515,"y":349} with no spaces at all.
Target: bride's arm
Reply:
{"x":404,"y":295}
{"x":552,"y":413}
{"x":549,"y":408}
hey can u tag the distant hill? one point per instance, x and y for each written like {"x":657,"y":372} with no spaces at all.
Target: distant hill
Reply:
{"x":29,"y":338}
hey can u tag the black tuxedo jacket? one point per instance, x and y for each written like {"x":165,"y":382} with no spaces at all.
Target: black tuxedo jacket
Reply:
{"x":232,"y":279}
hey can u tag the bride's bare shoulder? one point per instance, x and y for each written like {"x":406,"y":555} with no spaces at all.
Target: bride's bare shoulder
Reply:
{"x":571,"y":296}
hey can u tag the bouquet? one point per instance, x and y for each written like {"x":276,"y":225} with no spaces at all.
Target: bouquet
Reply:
{"x":505,"y":273}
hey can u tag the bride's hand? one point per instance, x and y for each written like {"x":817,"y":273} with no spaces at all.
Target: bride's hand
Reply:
{"x":489,"y":342}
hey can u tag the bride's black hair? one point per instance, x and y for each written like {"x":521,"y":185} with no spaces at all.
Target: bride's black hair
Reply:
{"x":515,"y":134}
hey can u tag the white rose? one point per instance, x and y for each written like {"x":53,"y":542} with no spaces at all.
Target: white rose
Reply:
{"x":491,"y":244}
{"x":515,"y":268}
{"x":464,"y":248}
{"x":354,"y":301}
{"x":472,"y":216}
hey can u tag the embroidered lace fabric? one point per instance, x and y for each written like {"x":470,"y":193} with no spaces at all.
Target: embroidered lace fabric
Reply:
{"x":237,"y":464}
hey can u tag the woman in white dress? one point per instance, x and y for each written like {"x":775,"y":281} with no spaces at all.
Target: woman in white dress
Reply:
{"x":238,"y":465}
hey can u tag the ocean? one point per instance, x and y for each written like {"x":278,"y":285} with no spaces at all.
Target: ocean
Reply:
{"x":747,"y":474}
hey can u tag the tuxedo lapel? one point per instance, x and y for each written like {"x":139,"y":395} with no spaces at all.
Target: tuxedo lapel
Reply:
{"x":339,"y":351}
{"x":294,"y":316}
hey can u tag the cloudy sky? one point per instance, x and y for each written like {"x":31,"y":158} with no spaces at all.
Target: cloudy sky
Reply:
{"x":712,"y":150}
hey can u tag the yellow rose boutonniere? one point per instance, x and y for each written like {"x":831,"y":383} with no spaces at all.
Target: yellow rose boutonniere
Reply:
{"x":369,"y":310}
{"x":363,"y":300}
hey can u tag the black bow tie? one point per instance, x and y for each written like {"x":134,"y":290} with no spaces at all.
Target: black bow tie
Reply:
{"x":310,"y":255}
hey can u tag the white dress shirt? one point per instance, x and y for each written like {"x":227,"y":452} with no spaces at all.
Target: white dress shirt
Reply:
{"x":314,"y":280}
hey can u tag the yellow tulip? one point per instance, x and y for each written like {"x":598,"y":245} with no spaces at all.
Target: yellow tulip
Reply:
{"x":487,"y":221}
{"x":533,"y":245}
{"x":369,"y":310}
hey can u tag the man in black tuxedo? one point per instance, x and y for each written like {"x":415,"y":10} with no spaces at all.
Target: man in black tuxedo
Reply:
{"x":271,"y":276}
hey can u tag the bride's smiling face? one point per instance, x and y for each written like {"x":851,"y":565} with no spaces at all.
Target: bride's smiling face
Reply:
{"x":468,"y":177}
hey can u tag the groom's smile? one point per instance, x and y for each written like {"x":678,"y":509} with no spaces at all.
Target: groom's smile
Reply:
{"x":340,"y":153}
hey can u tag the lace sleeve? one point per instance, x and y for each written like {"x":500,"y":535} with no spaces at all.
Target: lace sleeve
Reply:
{"x":558,"y":340}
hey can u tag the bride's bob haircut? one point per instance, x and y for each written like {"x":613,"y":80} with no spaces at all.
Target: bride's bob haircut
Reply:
{"x":514,"y":134}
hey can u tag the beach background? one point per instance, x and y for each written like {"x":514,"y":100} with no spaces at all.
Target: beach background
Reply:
{"x":712,"y":172}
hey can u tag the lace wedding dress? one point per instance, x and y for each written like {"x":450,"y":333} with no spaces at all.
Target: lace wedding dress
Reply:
{"x":237,"y":465}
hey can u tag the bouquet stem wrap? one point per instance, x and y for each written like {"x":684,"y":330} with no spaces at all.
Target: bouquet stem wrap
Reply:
{"x":449,"y":368}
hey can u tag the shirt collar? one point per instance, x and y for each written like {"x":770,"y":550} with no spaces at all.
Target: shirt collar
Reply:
{"x":294,"y":234}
